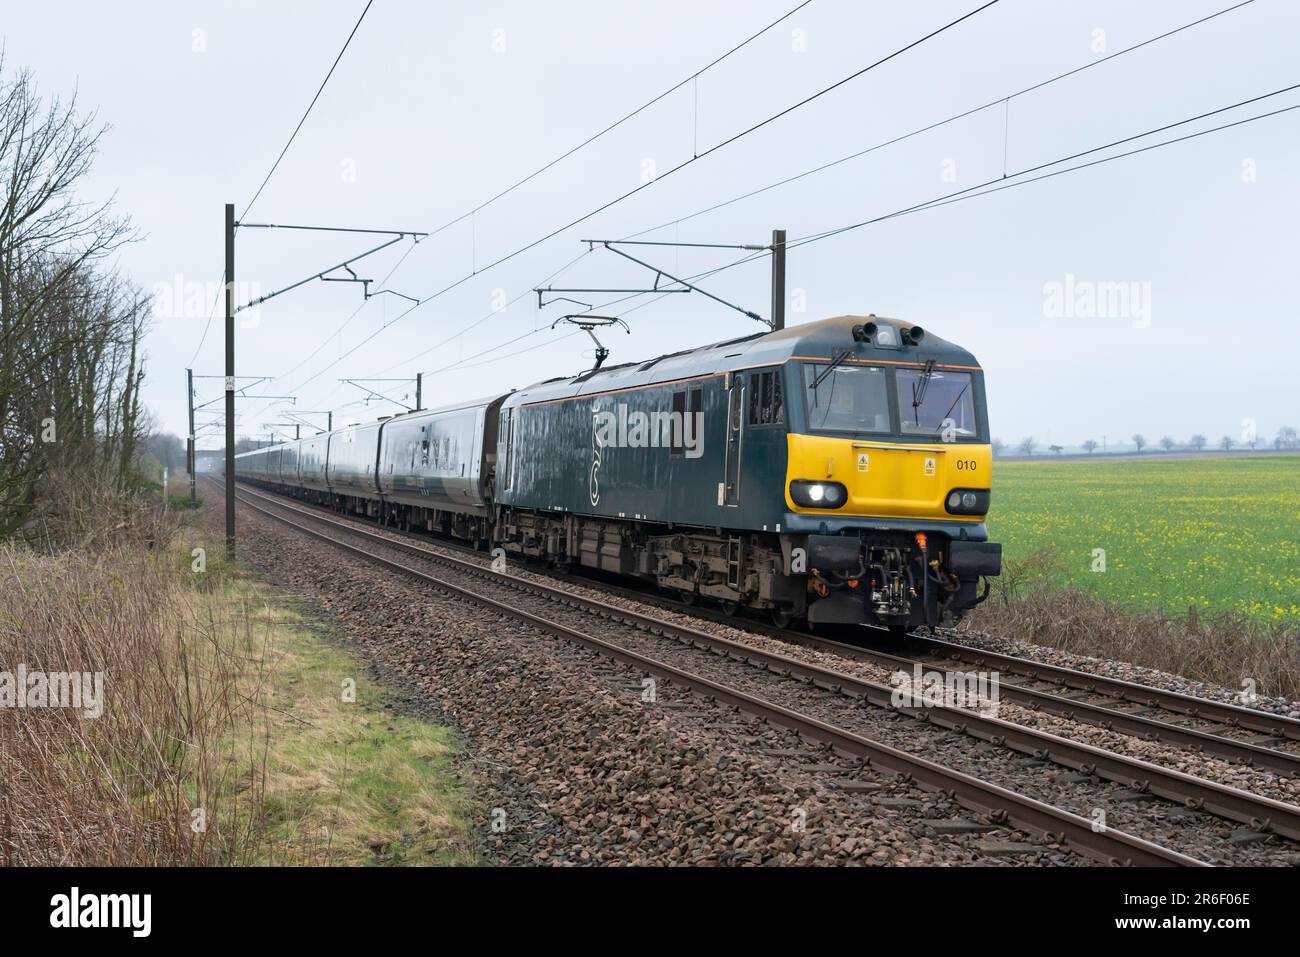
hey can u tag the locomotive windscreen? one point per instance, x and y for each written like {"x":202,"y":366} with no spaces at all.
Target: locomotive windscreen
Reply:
{"x":847,"y":398}
{"x":930,"y":402}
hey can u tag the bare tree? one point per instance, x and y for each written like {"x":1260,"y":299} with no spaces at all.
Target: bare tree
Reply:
{"x":1168,"y":444}
{"x":168,"y":449}
{"x":1027,"y":445}
{"x":998,"y":446}
{"x":1225,"y":443}
{"x":1197,"y":442}
{"x":1090,"y":446}
{"x":1140,"y":441}
{"x":1287,"y":438}
{"x":70,"y":358}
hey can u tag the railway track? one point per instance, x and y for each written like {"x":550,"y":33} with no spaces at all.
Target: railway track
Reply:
{"x":1092,"y":710}
{"x":1272,"y":726}
{"x":1106,"y":697}
{"x":1103,"y":707}
{"x":1256,"y":811}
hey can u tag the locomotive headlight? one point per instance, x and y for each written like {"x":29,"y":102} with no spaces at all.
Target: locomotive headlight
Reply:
{"x":818,"y":494}
{"x":968,"y":501}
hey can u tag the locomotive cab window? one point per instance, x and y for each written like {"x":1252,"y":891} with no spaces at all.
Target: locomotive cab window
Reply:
{"x":766,"y":402}
{"x":847,"y":398}
{"x":932,"y":402}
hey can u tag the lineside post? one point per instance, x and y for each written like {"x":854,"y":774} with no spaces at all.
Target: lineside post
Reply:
{"x":189,"y":444}
{"x":230,"y":381}
{"x":778,"y":279}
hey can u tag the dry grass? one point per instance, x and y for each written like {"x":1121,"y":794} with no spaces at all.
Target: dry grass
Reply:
{"x":1224,"y":648}
{"x":88,"y":515}
{"x":122,"y":788}
{"x":224,"y":738}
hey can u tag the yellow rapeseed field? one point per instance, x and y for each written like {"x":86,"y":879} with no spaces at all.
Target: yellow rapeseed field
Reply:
{"x":1220,"y":533}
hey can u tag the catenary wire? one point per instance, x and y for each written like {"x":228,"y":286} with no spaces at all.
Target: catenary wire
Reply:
{"x":685,"y":163}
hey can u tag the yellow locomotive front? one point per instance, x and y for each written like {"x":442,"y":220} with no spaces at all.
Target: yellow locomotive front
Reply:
{"x":888,"y":478}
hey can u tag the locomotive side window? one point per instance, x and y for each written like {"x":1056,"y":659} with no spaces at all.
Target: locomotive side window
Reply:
{"x":688,"y":407}
{"x":766,"y":403}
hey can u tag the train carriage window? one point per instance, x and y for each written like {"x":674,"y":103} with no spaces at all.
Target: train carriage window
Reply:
{"x":766,"y":401}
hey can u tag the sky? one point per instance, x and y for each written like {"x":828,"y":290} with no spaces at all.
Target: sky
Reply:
{"x":1156,"y":294}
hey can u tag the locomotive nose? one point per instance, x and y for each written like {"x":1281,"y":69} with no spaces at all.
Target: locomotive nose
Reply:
{"x":887,"y":480}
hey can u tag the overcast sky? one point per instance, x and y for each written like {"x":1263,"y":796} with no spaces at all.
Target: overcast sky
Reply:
{"x":438,"y":106}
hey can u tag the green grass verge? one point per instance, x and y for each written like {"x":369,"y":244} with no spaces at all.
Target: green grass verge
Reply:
{"x":341,"y":782}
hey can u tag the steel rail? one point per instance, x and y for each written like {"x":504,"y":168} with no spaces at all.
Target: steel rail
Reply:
{"x":1054,"y":824}
{"x":1252,"y":719}
{"x":1085,"y":712}
{"x":1257,"y":811}
{"x":1074,"y":709}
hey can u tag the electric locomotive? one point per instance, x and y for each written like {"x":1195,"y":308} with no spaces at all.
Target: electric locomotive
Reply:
{"x":836,"y":472}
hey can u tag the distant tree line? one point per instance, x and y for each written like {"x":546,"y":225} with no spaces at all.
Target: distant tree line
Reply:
{"x":1286,"y":439}
{"x":71,"y":363}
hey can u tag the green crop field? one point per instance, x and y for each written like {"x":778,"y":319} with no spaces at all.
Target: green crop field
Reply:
{"x":1220,"y":533}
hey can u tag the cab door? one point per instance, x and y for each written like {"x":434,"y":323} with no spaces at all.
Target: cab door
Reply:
{"x":736,"y":386}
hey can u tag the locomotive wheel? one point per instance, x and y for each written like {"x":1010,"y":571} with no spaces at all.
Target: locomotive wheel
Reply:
{"x":781,"y":617}
{"x":687,"y":597}
{"x":730,"y":608}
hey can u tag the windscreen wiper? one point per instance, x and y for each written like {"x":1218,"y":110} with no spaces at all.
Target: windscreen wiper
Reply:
{"x":956,"y":400}
{"x":919,"y":388}
{"x":835,"y":362}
